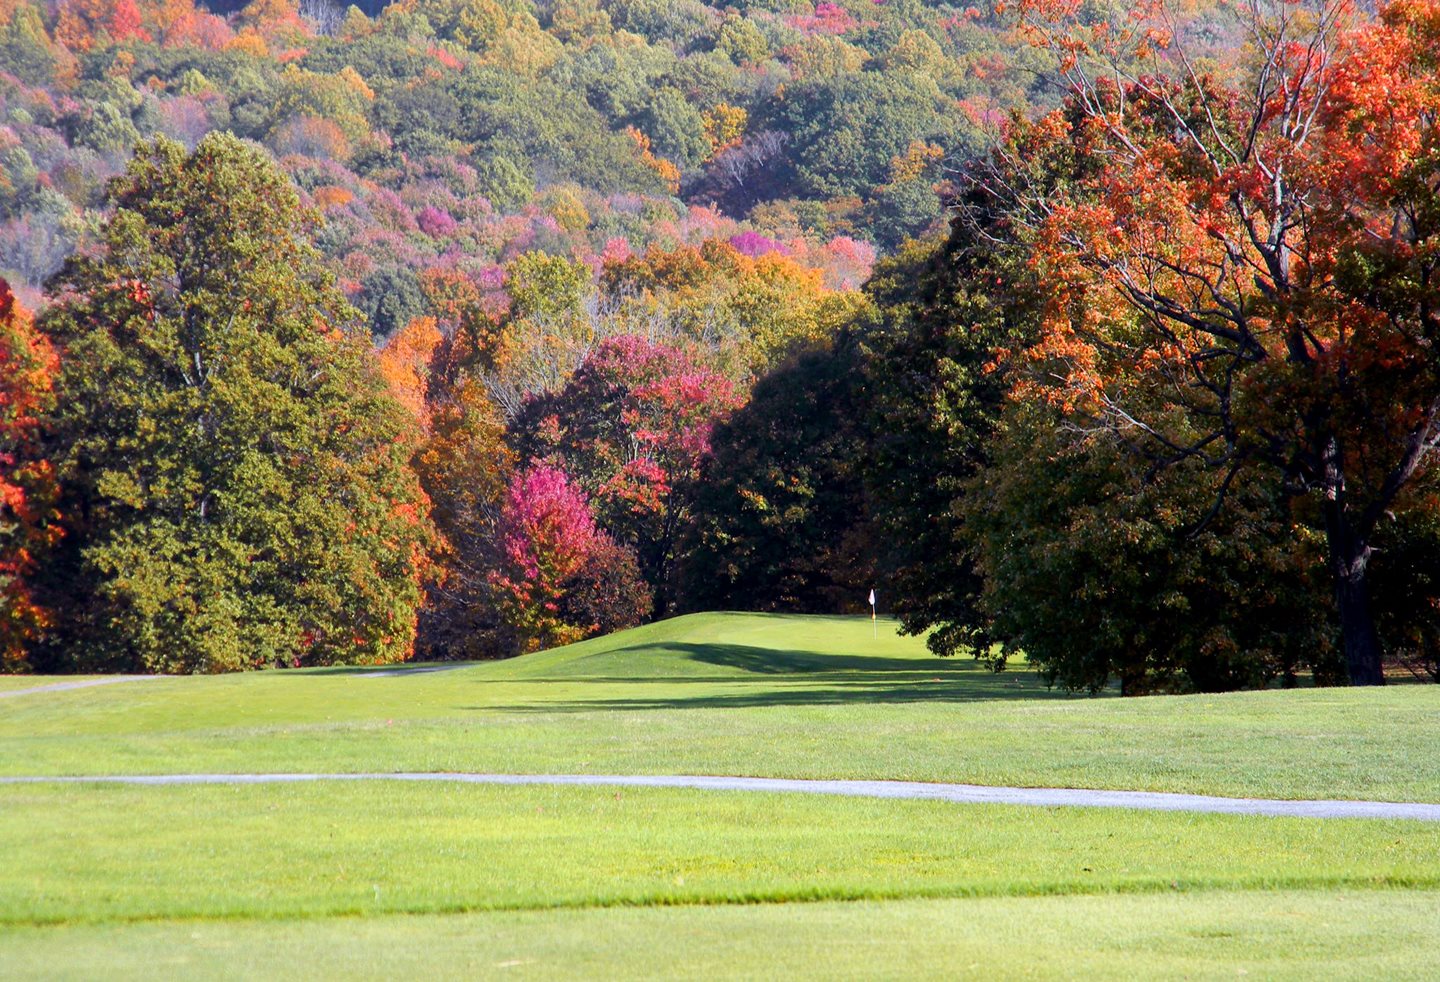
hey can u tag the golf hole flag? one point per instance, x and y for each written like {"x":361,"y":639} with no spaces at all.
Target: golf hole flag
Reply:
{"x":873,"y":627}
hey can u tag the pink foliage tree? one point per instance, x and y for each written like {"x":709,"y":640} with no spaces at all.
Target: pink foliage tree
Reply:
{"x":633,"y":425}
{"x":558,"y":578}
{"x":546,"y":536}
{"x":436,"y":222}
{"x":754,"y":244}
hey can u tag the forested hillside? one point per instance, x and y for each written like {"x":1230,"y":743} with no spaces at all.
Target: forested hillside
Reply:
{"x":450,"y":136}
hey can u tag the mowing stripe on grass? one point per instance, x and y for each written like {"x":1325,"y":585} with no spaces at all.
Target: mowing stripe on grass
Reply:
{"x":963,"y":793}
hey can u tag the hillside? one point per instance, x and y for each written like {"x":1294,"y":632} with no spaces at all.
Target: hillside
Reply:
{"x":453,"y":135}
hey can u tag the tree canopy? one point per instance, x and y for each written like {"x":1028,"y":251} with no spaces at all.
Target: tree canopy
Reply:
{"x":233,"y":473}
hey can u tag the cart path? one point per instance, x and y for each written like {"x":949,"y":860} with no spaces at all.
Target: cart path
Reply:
{"x":83,"y":684}
{"x":381,"y":673}
{"x":964,"y":793}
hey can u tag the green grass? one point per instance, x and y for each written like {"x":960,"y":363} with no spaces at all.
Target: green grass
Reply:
{"x":385,"y":879}
{"x":128,"y":853}
{"x":1287,"y":935}
{"x":742,"y":694}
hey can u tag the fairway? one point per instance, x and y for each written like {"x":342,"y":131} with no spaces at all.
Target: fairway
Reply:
{"x":448,"y":879}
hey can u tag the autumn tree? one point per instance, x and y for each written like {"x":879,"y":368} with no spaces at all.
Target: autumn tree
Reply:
{"x":554,"y":563}
{"x":633,"y":428}
{"x":1263,"y":248}
{"x":79,"y":23}
{"x":466,"y":468}
{"x":234,"y":476}
{"x":406,"y":363}
{"x":28,"y":520}
{"x":746,"y":300}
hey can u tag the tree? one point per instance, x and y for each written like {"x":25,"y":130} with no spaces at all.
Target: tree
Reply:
{"x":1272,"y":239}
{"x":845,"y":129}
{"x":1090,"y":567}
{"x":234,"y":476}
{"x":466,"y":469}
{"x":607,"y":593}
{"x":632,"y":427}
{"x":125,"y":23}
{"x":390,"y":298}
{"x":675,"y":127}
{"x":781,"y":520}
{"x":947,"y":308}
{"x":745,"y":300}
{"x":558,"y":577}
{"x":406,"y":363}
{"x":28,"y":520}
{"x":25,"y":50}
{"x":78,"y":22}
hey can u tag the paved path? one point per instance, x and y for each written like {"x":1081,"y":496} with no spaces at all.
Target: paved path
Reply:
{"x":967,"y":793}
{"x":83,"y":684}
{"x":382,"y":673}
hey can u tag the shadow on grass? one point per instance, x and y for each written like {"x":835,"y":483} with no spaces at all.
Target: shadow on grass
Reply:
{"x":795,"y":678}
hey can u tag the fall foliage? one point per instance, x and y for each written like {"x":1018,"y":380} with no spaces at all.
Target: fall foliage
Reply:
{"x":28,"y":520}
{"x":1251,"y":254}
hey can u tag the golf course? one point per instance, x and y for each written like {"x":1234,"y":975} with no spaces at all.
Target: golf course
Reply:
{"x":445,"y":877}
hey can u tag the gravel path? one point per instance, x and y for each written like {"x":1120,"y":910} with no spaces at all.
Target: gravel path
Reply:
{"x":967,"y":793}
{"x":85,"y":684}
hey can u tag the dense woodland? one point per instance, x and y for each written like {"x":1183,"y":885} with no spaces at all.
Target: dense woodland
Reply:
{"x":463,"y":328}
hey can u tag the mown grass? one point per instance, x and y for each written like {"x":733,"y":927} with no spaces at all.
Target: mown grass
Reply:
{"x":102,"y":853}
{"x":1284,"y":935}
{"x":450,"y":880}
{"x":742,"y":694}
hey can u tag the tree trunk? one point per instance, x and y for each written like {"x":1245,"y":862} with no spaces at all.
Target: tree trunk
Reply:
{"x":1349,"y":565}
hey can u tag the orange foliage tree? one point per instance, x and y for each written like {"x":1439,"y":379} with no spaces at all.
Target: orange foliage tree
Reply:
{"x":27,"y":481}
{"x":1261,"y":252}
{"x":405,"y":365}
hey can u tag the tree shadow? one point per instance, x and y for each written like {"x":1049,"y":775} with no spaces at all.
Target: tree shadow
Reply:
{"x":795,"y":678}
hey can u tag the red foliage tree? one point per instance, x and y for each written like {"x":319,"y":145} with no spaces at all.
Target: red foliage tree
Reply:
{"x":80,"y":23}
{"x":27,"y":482}
{"x":125,"y":23}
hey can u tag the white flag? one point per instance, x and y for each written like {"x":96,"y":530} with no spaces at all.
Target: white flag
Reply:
{"x":872,"y":598}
